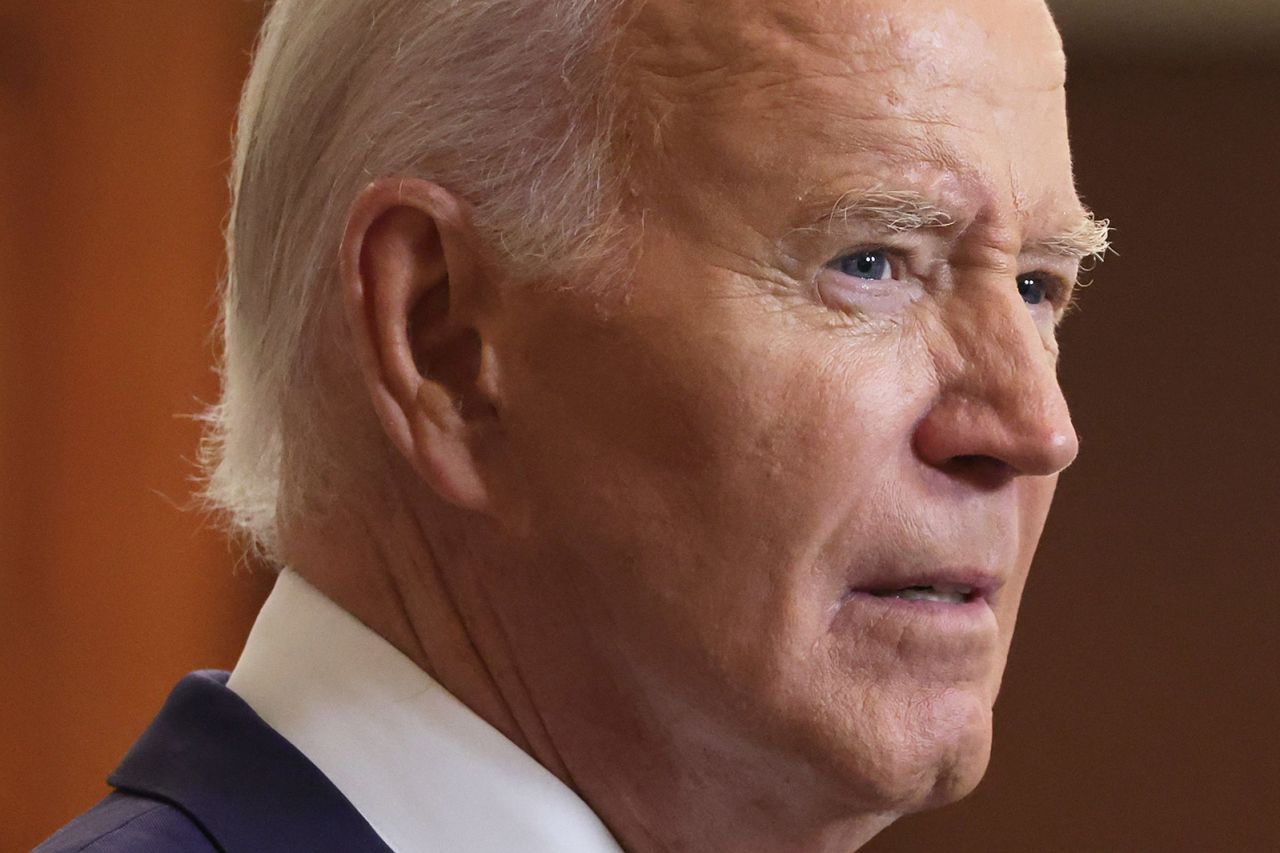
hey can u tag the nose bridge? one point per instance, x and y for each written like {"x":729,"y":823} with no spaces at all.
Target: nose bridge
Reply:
{"x":1002,"y":373}
{"x":1003,"y":358}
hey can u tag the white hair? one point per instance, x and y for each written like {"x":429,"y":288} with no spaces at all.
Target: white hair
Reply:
{"x":503,"y":102}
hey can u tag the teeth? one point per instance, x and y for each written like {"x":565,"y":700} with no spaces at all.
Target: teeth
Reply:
{"x":928,"y":594}
{"x":943,"y":592}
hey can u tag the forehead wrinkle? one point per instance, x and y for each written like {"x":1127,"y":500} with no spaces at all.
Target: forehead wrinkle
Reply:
{"x":680,"y":44}
{"x":766,"y":62}
{"x":691,"y":58}
{"x":680,"y":41}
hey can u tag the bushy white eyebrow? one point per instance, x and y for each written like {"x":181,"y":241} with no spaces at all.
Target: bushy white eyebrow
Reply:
{"x":898,"y":211}
{"x":903,"y":211}
{"x":1088,"y":238}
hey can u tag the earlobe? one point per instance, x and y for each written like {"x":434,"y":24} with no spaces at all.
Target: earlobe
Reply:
{"x":447,"y":462}
{"x":407,"y":269}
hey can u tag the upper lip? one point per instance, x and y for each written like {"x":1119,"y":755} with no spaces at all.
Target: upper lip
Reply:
{"x":980,"y":583}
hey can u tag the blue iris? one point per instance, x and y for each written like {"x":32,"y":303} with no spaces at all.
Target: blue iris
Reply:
{"x":872,"y":265}
{"x":1031,"y":288}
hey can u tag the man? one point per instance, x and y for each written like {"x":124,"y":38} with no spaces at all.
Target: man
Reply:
{"x":655,"y":406}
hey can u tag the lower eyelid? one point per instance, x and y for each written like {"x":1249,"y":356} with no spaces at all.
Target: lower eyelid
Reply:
{"x":840,"y":290}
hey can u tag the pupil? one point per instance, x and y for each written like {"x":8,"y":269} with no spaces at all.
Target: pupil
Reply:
{"x":869,"y":265}
{"x":1031,"y":289}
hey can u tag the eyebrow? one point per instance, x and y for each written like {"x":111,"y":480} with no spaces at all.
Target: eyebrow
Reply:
{"x":903,"y":211}
{"x":1088,"y":238}
{"x":896,"y":211}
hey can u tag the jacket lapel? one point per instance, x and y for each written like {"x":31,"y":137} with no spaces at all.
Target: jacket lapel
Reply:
{"x":252,"y":791}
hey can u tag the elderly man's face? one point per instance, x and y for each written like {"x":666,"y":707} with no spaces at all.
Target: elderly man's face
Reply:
{"x":830,"y":380}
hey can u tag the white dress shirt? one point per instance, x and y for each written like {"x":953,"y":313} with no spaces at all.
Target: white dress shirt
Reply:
{"x":423,"y":769}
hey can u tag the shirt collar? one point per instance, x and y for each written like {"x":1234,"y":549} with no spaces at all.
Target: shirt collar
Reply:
{"x":422,"y":768}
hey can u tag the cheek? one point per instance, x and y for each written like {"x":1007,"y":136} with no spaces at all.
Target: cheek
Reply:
{"x":776,"y":440}
{"x":799,"y":447}
{"x":713,"y":457}
{"x":1034,"y":496}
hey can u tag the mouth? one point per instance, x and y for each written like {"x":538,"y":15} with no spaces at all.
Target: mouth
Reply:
{"x":939,"y":620}
{"x":943,"y":587}
{"x":941,"y":593}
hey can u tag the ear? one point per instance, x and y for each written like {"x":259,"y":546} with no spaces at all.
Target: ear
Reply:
{"x":413,"y":283}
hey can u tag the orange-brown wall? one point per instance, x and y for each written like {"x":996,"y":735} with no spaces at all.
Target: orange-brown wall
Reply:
{"x":115,"y":121}
{"x":1138,"y":711}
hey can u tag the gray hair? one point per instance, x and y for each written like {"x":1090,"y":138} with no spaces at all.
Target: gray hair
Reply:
{"x":503,"y":102}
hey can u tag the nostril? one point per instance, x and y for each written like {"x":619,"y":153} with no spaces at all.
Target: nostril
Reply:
{"x":993,"y":440}
{"x":986,"y":472}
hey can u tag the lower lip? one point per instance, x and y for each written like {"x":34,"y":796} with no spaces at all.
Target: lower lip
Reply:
{"x":973,"y":616}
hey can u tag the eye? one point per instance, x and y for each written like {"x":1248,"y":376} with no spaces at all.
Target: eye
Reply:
{"x":1033,"y":288}
{"x":869,"y":264}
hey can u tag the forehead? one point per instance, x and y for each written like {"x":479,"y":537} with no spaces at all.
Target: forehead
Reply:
{"x":859,"y":34}
{"x":962,"y":98}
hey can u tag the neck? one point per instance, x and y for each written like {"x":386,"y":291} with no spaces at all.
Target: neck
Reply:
{"x":658,"y":791}
{"x":437,"y":615}
{"x":683,"y":785}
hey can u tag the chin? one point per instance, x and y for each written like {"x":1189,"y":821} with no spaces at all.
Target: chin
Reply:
{"x":918,"y":754}
{"x":956,"y":774}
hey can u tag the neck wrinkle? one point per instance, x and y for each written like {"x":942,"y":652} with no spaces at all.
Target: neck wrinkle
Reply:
{"x":387,"y":571}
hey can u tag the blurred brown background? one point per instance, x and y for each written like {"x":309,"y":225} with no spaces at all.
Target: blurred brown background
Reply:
{"x":1140,"y":708}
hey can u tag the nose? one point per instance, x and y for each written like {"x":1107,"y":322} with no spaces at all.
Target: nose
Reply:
{"x":999,"y":411}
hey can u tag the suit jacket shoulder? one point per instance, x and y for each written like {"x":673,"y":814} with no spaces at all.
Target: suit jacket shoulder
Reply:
{"x":126,"y":822}
{"x":210,"y":774}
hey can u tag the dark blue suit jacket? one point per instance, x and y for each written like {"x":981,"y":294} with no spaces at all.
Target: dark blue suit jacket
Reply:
{"x":209,"y":775}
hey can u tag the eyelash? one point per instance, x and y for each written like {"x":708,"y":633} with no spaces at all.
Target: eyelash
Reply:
{"x":1058,"y":292}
